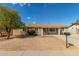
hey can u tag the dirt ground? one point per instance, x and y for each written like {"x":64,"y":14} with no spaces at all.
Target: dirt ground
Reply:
{"x":36,"y":45}
{"x":32,"y":43}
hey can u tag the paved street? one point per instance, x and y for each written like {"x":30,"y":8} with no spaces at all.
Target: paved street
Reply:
{"x":73,"y":39}
{"x":41,"y":53}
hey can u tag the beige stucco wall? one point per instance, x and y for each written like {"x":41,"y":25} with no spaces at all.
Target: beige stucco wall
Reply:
{"x":40,"y":31}
{"x":72,"y":29}
{"x":17,"y":31}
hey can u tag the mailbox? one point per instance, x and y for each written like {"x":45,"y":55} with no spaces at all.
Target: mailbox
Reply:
{"x":66,"y":33}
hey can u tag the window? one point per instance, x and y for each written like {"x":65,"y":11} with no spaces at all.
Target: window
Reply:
{"x":52,"y":29}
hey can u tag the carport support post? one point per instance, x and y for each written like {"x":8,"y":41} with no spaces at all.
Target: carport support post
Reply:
{"x":58,"y":31}
{"x":66,"y":41}
{"x":41,"y":31}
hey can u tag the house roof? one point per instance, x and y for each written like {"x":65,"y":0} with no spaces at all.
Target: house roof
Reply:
{"x":46,"y":25}
{"x":72,"y":25}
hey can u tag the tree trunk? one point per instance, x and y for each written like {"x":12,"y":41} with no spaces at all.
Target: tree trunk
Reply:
{"x":8,"y":30}
{"x":0,"y":34}
{"x":8,"y":35}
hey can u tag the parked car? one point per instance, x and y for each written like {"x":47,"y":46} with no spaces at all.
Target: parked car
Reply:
{"x":31,"y":32}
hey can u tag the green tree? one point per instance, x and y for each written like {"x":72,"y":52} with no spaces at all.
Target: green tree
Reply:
{"x":9,"y":19}
{"x":77,"y":21}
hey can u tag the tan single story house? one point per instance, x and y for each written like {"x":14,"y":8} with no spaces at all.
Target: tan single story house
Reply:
{"x":46,"y":29}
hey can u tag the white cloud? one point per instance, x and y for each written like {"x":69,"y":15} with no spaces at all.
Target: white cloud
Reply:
{"x":34,"y":22}
{"x":24,"y":3}
{"x":28,"y":4}
{"x":21,"y":4}
{"x":28,"y":17}
{"x":13,"y":3}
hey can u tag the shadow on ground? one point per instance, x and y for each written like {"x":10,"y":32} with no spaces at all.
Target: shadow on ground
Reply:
{"x":23,"y":36}
{"x":3,"y":38}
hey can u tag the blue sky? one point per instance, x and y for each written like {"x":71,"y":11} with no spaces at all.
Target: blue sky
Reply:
{"x":45,"y":13}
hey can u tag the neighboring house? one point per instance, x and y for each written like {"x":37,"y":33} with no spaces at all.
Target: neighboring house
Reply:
{"x":73,"y":29}
{"x":46,"y":29}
